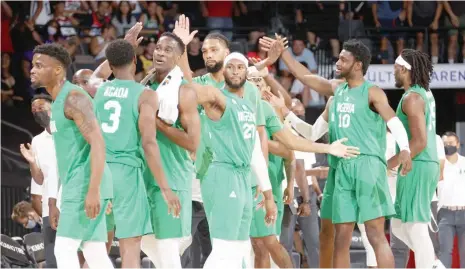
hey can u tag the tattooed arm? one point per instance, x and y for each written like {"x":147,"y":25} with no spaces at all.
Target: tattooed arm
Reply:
{"x":79,"y":108}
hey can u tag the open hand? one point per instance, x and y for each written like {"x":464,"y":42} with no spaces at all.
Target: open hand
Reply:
{"x":174,"y":206}
{"x":27,"y":153}
{"x":131,"y":35}
{"x":338,"y":149}
{"x":181,"y":29}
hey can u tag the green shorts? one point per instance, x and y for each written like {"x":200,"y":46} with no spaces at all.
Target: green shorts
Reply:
{"x":110,"y":219}
{"x":326,"y":208}
{"x":130,"y":210}
{"x":74,"y":223}
{"x":166,"y":226}
{"x":361,"y":191}
{"x":227,"y":198}
{"x":415,"y":191}
{"x":258,"y":228}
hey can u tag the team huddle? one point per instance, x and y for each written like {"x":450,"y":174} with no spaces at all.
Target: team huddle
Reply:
{"x":128,"y":152}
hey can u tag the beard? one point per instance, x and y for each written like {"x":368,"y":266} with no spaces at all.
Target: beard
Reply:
{"x":234,"y":86}
{"x":216,"y":68}
{"x":398,"y":84}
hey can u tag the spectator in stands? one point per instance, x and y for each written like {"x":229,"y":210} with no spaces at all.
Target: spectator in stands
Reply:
{"x":389,"y":15}
{"x":260,"y":54}
{"x":66,"y":20}
{"x":194,"y":55}
{"x":6,"y":17}
{"x":40,"y":155}
{"x":320,"y":18}
{"x":40,"y":12}
{"x":147,"y":57}
{"x":171,"y":16}
{"x":8,"y":81}
{"x":101,"y":16}
{"x":452,"y":202}
{"x":135,"y":5}
{"x":219,"y":16}
{"x":99,"y":43}
{"x":301,"y":54}
{"x":123,"y":19}
{"x":426,"y":14}
{"x":307,"y":96}
{"x":254,"y":14}
{"x":455,"y":18}
{"x":152,"y":19}
{"x":24,"y":214}
{"x":53,"y":31}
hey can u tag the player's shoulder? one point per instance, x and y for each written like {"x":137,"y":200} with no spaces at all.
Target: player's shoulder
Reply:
{"x":249,"y":86}
{"x":201,"y":79}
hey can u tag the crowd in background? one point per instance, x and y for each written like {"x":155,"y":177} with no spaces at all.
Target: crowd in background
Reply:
{"x":86,"y":27}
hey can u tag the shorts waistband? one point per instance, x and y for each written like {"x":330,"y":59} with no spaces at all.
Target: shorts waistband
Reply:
{"x":244,"y":168}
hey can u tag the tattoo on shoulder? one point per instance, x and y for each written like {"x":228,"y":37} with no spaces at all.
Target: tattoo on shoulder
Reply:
{"x":79,"y":108}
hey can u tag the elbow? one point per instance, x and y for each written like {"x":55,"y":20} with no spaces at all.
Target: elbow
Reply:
{"x":419,"y":144}
{"x":149,"y":145}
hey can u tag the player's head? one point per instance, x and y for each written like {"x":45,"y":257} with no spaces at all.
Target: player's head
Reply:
{"x":451,"y":143}
{"x":49,"y":65}
{"x":257,"y":80}
{"x":167,"y":53}
{"x":81,"y":78}
{"x":215,"y":48}
{"x":24,"y":214}
{"x":354,"y":59}
{"x":41,"y":107}
{"x":235,"y":70}
{"x":413,"y":67}
{"x":121,"y":56}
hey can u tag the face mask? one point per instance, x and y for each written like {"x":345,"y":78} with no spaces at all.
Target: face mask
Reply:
{"x":51,"y":30}
{"x":31,"y":224}
{"x":450,"y":150}
{"x":42,"y":118}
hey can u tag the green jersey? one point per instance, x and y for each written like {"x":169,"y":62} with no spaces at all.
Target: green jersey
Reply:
{"x":204,"y":152}
{"x":117,"y":109}
{"x":73,"y":152}
{"x":234,"y":134}
{"x":351,"y":117}
{"x":429,"y":153}
{"x":275,"y":163}
{"x":176,"y":162}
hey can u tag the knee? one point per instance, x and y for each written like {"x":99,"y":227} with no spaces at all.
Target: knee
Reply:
{"x":343,"y":236}
{"x":327,"y":231}
{"x":259,"y":247}
{"x":434,"y":39}
{"x":453,"y":40}
{"x":375,"y":235}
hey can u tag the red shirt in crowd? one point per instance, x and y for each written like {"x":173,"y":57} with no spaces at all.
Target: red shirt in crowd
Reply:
{"x":219,"y":8}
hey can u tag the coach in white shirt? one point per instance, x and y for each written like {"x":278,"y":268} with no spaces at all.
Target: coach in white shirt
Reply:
{"x":41,"y":157}
{"x":452,"y":202}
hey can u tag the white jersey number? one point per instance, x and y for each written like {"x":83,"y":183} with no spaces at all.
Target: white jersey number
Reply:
{"x":114,"y":117}
{"x":249,"y":130}
{"x":344,"y":120}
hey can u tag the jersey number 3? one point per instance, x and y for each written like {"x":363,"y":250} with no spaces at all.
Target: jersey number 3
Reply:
{"x":114,"y":116}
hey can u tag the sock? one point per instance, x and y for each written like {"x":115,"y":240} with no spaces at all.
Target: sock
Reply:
{"x":168,"y":249}
{"x":148,"y":245}
{"x":96,"y":255}
{"x":398,"y":230}
{"x":421,"y":244}
{"x":451,"y":61}
{"x":434,"y":59}
{"x":184,"y":243}
{"x":223,"y":254}
{"x":66,"y":252}
{"x":370,"y":252}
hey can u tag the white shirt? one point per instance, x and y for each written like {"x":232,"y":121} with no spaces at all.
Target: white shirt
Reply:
{"x":452,"y":186}
{"x":45,"y":15}
{"x":309,"y":160}
{"x":35,"y":188}
{"x":44,"y":151}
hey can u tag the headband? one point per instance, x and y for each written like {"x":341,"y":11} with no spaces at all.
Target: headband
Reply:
{"x":402,"y":62}
{"x":237,"y":56}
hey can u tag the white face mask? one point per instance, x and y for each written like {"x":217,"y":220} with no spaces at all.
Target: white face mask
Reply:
{"x":51,"y":30}
{"x":31,"y":224}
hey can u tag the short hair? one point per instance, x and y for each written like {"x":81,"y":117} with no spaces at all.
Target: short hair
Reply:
{"x":181,"y":45}
{"x":449,"y":133}
{"x":359,"y":51}
{"x":119,"y":53}
{"x":21,"y":210}
{"x":422,"y":68}
{"x":218,"y":37}
{"x":42,"y":96}
{"x":55,"y":51}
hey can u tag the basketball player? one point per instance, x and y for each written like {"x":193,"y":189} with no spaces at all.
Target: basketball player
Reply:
{"x":127,"y":111}
{"x":81,"y":78}
{"x":80,"y":150}
{"x":417,"y":112}
{"x":359,"y":112}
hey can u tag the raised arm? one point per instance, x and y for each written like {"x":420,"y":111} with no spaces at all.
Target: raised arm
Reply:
{"x":182,"y":30}
{"x":208,"y":95}
{"x":79,"y":108}
{"x":148,"y":107}
{"x":189,"y":138}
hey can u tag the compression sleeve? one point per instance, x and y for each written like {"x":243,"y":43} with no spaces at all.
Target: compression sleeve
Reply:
{"x":319,"y":128}
{"x":398,"y":132}
{"x":303,"y":128}
{"x":258,"y":165}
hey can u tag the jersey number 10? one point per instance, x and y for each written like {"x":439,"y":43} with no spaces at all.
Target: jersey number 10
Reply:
{"x":114,"y":117}
{"x":344,"y":120}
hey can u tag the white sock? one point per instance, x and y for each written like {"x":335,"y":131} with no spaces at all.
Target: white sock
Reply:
{"x":434,"y":59}
{"x":184,"y":243}
{"x":96,"y":255}
{"x":370,"y":252}
{"x":168,"y":249}
{"x":398,"y":229}
{"x":451,"y":61}
{"x":148,"y":245}
{"x":223,"y":255}
{"x":66,"y":252}
{"x":421,"y":244}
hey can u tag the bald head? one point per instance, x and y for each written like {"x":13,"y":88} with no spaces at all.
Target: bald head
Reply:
{"x":81,"y":78}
